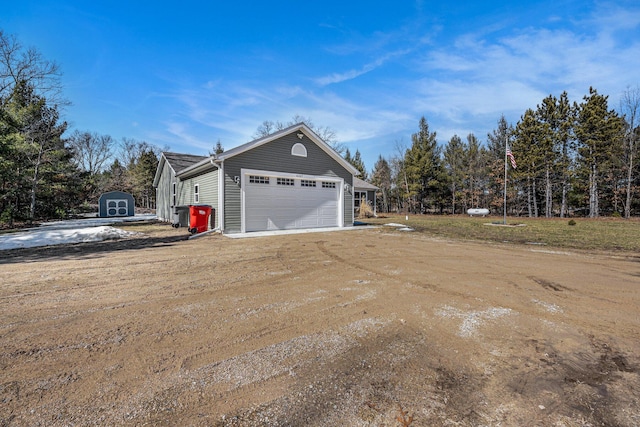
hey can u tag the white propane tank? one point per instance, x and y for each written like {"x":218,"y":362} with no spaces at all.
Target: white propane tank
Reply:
{"x":478,"y":211}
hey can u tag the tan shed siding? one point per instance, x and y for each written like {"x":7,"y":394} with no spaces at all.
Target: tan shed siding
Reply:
{"x":276,"y":156}
{"x":163,"y":194}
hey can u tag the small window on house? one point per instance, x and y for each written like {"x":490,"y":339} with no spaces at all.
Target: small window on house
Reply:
{"x":196,"y":193}
{"x":328,"y":184}
{"x":173,"y":193}
{"x":307,"y":183}
{"x":285,"y":181}
{"x":299,"y":150}
{"x":255,"y":179}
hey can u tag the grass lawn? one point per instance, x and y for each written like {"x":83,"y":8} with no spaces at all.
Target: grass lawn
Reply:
{"x":600,"y":234}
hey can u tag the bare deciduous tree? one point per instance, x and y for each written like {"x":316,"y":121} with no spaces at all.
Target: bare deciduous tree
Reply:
{"x":90,"y":150}
{"x":18,"y":64}
{"x":325,"y":133}
{"x":630,"y":107}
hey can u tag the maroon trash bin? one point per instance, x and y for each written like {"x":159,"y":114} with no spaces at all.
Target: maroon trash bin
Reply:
{"x":199,"y":218}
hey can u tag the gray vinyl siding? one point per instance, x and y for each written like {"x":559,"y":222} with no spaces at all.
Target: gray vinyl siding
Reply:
{"x":276,"y":156}
{"x":232,"y":218}
{"x":208,"y":191}
{"x":164,"y":210}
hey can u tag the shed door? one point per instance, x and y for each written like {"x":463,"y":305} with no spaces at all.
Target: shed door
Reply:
{"x":117,"y":207}
{"x":282,"y":203}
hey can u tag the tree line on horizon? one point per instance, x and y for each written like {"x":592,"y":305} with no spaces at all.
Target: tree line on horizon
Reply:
{"x":573,"y":159}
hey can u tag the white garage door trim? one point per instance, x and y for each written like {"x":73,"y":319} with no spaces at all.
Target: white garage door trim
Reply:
{"x":278,"y":195}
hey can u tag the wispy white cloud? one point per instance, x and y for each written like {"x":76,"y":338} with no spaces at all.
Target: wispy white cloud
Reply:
{"x":462,"y":84}
{"x":382,"y":46}
{"x":477,"y":75}
{"x":180,"y":131}
{"x":352,"y":74}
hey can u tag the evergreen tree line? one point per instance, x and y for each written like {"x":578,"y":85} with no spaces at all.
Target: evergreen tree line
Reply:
{"x":43,"y":172}
{"x":572,"y":159}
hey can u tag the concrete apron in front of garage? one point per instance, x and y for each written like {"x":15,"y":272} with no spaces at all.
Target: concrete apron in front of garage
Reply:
{"x":295,"y":231}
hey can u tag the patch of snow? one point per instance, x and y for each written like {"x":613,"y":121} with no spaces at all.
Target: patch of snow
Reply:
{"x":92,"y":222}
{"x":473,"y":319}
{"x":72,"y":231}
{"x":393,"y":224}
{"x":551,"y":308}
{"x":406,"y":229}
{"x":36,"y":238}
{"x":551,"y":252}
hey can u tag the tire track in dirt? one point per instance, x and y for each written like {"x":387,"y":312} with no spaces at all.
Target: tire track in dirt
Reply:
{"x":301,"y":319}
{"x":245,"y":323}
{"x":308,"y":317}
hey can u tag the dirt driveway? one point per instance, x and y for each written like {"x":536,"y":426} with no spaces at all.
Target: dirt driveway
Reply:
{"x":358,"y":328}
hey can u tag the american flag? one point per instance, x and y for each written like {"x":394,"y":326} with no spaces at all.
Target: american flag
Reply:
{"x":510,"y":156}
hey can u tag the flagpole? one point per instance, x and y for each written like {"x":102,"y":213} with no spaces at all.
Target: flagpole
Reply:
{"x":506,"y":147}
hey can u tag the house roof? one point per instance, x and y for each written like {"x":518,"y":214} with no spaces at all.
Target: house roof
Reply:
{"x":177,"y":162}
{"x":359,"y":184}
{"x":299,"y":127}
{"x":187,"y":164}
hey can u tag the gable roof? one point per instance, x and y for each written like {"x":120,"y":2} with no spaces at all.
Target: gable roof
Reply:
{"x":299,"y":127}
{"x":182,"y":161}
{"x":177,"y":162}
{"x":187,"y":164}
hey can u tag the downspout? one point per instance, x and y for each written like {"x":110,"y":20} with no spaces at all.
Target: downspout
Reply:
{"x":221,"y":183}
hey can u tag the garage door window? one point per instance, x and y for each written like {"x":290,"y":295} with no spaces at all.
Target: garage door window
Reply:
{"x":285,"y":181}
{"x":255,"y":179}
{"x":273,"y":200}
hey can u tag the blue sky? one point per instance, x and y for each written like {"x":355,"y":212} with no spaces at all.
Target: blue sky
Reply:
{"x":183,"y":75}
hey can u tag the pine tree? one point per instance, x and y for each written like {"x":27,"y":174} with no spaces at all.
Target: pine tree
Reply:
{"x":565,"y":146}
{"x":495,"y":161}
{"x":553,"y":144}
{"x":218,"y":149}
{"x":357,"y":163}
{"x":143,"y":174}
{"x":599,"y":133}
{"x":381,"y":178}
{"x":423,"y":168}
{"x":34,"y":134}
{"x":547,"y":117}
{"x":454,"y":164}
{"x":347,"y":155}
{"x":530,"y":150}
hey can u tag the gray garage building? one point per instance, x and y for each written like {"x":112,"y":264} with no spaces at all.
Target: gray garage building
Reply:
{"x":288,"y":180}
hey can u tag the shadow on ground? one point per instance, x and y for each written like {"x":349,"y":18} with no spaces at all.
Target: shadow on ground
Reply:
{"x":88,"y":250}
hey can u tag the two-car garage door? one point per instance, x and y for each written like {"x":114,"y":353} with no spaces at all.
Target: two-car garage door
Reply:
{"x":273,"y":202}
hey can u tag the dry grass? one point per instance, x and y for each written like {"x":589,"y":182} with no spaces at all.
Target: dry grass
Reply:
{"x":593,"y":234}
{"x":366,"y":211}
